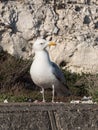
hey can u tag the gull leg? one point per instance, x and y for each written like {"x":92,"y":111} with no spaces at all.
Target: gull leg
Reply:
{"x":53,"y":93}
{"x":43,"y":95}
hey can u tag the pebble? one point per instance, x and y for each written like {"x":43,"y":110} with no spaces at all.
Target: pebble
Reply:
{"x":84,"y":100}
{"x":5,"y":101}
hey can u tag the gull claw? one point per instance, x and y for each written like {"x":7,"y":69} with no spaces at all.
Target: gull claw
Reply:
{"x":53,"y":101}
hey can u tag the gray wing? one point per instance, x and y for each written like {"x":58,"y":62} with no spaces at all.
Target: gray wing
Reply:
{"x":58,"y":73}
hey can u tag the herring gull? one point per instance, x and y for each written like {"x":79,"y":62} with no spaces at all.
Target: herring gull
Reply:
{"x":45,"y":73}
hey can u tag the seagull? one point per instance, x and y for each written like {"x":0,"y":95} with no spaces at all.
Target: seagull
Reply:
{"x":45,"y":73}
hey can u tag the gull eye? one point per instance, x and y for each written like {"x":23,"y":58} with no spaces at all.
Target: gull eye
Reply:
{"x":41,"y":43}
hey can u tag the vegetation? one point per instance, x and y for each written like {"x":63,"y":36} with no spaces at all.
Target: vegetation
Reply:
{"x":82,"y":84}
{"x":17,"y":86}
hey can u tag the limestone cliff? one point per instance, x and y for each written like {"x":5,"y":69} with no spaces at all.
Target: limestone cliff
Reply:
{"x":73,"y":24}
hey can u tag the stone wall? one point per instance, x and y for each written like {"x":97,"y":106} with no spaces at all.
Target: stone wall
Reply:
{"x":73,"y":24}
{"x":29,"y":116}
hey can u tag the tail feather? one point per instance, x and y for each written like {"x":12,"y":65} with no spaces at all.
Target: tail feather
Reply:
{"x":62,"y":91}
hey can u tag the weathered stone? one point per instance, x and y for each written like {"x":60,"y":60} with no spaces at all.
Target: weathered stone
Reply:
{"x":49,"y":116}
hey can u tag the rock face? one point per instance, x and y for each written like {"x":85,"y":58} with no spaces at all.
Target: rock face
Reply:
{"x":73,"y":24}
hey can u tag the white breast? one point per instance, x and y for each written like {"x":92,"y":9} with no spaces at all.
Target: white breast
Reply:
{"x":41,"y":69}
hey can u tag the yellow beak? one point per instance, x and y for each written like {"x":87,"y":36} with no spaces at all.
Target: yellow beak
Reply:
{"x":51,"y":44}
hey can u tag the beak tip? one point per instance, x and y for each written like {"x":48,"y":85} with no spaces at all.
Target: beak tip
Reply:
{"x":52,"y":44}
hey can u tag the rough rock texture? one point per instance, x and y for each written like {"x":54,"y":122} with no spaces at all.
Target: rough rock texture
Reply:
{"x":73,"y":24}
{"x":28,"y":116}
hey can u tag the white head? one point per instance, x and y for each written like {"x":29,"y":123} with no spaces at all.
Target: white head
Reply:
{"x":41,"y":44}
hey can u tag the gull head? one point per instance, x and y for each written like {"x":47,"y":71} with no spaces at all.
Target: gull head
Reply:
{"x":41,"y":44}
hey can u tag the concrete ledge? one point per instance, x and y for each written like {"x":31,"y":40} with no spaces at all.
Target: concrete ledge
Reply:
{"x":48,"y":116}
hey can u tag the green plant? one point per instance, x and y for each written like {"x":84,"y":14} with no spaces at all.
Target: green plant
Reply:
{"x":82,"y":84}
